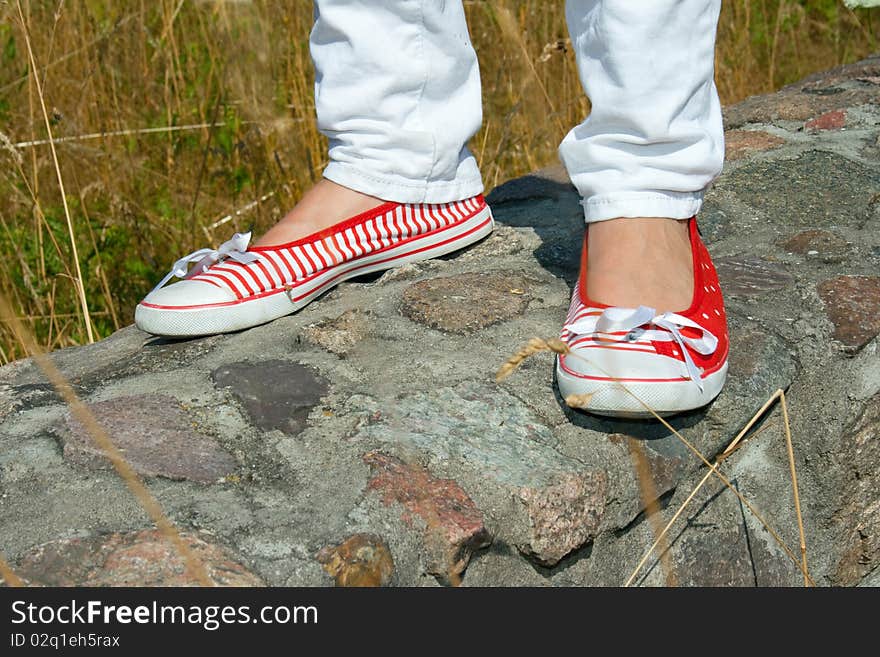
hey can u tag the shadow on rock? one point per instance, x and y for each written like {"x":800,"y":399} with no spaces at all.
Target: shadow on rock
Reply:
{"x":548,"y":203}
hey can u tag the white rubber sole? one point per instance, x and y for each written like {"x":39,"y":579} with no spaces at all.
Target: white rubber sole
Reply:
{"x":211,"y":319}
{"x":621,"y":398}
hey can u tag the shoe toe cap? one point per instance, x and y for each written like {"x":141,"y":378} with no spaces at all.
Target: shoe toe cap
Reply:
{"x":188,"y":293}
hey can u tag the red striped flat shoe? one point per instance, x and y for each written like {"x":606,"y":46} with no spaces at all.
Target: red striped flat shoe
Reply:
{"x":235,"y":287}
{"x":623,"y":357}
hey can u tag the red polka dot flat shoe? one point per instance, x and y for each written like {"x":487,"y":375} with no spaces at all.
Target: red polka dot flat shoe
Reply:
{"x":623,"y":359}
{"x":235,"y":287}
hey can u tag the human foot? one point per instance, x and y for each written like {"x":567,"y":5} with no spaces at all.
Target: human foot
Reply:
{"x":322,"y":206}
{"x":640,"y":262}
{"x":235,"y":287}
{"x":624,"y":359}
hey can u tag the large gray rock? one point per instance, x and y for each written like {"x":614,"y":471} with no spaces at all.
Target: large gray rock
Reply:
{"x":545,"y":503}
{"x":364,"y":441}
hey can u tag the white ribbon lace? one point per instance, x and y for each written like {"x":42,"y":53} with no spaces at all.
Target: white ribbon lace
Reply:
{"x":668,"y":329}
{"x":235,"y":248}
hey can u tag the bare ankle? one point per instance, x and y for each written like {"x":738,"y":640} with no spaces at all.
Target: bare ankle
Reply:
{"x":325,"y":204}
{"x":640,"y":261}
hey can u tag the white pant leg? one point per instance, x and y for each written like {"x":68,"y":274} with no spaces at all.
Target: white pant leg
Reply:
{"x":654,"y":139}
{"x":397,"y":92}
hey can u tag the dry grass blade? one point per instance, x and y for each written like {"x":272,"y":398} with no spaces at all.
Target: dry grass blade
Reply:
{"x":7,"y":145}
{"x":79,"y":280}
{"x":8,"y":575}
{"x":651,"y":505}
{"x":245,"y":208}
{"x":73,"y":53}
{"x":195,"y":568}
{"x":713,"y":469}
{"x":115,"y":133}
{"x":794,"y":484}
{"x":721,"y":458}
{"x":732,"y":447}
{"x":534,"y":346}
{"x":509,"y":28}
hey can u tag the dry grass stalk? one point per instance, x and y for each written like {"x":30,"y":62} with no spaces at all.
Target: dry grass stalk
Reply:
{"x":79,"y":280}
{"x":113,"y":133}
{"x":651,"y":505}
{"x":730,"y":449}
{"x":511,"y":30}
{"x":194,"y":566}
{"x":534,"y":346}
{"x":794,"y":485}
{"x":73,"y":53}
{"x":242,"y":210}
{"x":713,"y":469}
{"x":7,"y":145}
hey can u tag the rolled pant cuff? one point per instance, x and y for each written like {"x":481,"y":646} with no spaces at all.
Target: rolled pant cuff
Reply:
{"x":647,"y":204}
{"x":402,"y":190}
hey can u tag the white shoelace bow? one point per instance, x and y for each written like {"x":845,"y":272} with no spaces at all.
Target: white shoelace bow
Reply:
{"x":235,"y":248}
{"x":669,"y":330}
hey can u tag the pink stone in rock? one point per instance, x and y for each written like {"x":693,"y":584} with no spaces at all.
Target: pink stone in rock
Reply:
{"x":740,"y":143}
{"x":141,"y":558}
{"x":853,"y":306}
{"x":833,"y":120}
{"x":563,"y":517}
{"x":154,"y":434}
{"x":454,"y":525}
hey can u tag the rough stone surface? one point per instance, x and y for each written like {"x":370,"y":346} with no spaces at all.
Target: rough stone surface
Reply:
{"x":872,"y":580}
{"x":453,"y":525}
{"x":550,"y":183}
{"x":449,"y":423}
{"x":815,"y":187}
{"x":816,"y":243}
{"x":275,"y":394}
{"x":353,"y":443}
{"x":360,"y":560}
{"x":749,"y":276}
{"x":561,"y":502}
{"x":339,"y":335}
{"x":144,"y":558}
{"x":466,"y":303}
{"x":853,"y":305}
{"x":563,"y":516}
{"x":665,"y":471}
{"x":724,"y":552}
{"x":858,"y":521}
{"x":155,"y":436}
{"x":740,"y":143}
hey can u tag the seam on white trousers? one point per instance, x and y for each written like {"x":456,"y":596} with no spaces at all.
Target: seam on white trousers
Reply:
{"x":649,"y":204}
{"x":427,"y":65}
